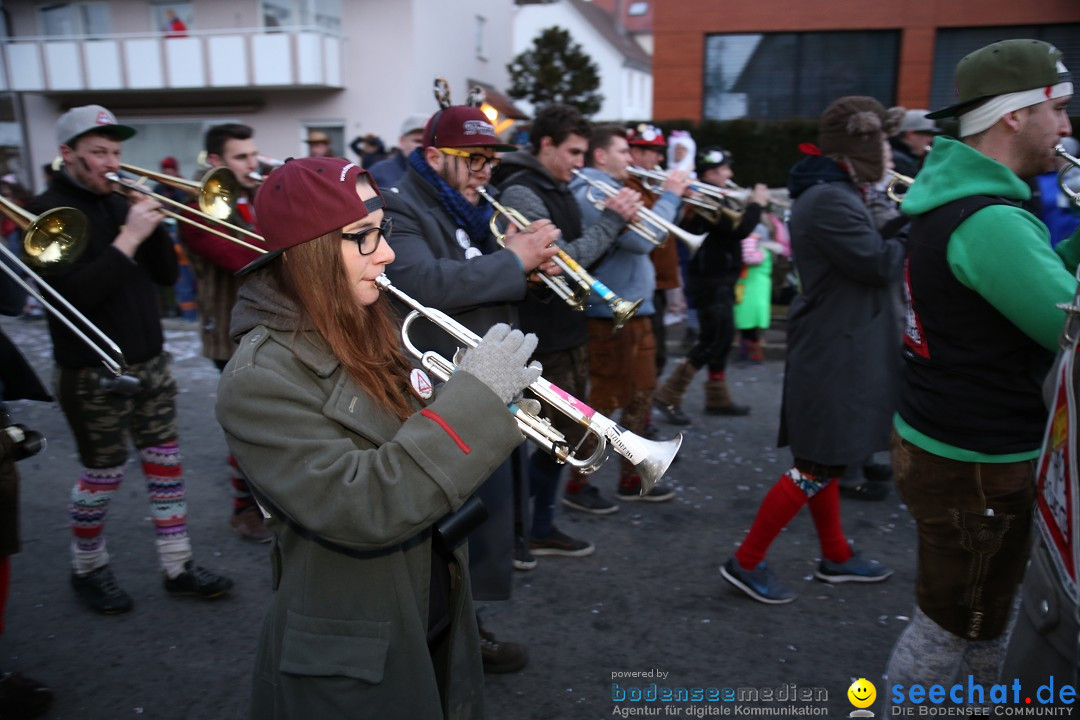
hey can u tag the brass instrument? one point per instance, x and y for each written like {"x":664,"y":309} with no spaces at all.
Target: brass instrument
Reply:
{"x":1073,"y":163}
{"x":706,"y":203}
{"x":264,"y":162}
{"x":650,"y":458}
{"x":643,"y":216}
{"x":217,"y":194}
{"x":778,"y":197}
{"x":50,"y":240}
{"x":621,"y":310}
{"x":897,"y":179}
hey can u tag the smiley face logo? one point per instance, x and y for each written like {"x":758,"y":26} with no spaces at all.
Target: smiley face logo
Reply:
{"x":862,"y":693}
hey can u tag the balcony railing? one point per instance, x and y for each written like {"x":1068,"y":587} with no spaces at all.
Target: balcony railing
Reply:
{"x":291,"y":57}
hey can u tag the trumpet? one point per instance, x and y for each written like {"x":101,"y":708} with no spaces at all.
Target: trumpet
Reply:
{"x":896,"y":179}
{"x":644,"y":215}
{"x":1072,"y":164}
{"x":778,"y":197}
{"x":621,"y":310}
{"x":53,"y":239}
{"x":651,"y":458}
{"x":706,"y":203}
{"x":217,"y":193}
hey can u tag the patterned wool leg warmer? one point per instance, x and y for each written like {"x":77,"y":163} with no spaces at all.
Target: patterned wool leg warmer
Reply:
{"x":925,"y":653}
{"x":90,"y":498}
{"x":165,"y":486}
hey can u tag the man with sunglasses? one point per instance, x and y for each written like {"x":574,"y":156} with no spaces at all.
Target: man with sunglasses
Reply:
{"x":448,"y":259}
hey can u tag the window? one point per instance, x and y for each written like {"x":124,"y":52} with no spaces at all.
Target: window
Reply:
{"x":481,"y":23}
{"x":278,"y":13}
{"x":80,"y":18}
{"x":953,"y":44}
{"x":328,"y":15}
{"x":782,"y":75}
{"x":637,"y":8}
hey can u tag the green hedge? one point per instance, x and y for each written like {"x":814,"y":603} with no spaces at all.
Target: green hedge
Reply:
{"x":764,"y":150}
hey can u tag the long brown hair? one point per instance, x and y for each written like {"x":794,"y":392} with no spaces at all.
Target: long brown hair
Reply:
{"x":366,"y":339}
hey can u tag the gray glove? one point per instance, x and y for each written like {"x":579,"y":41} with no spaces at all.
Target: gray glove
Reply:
{"x":499,"y":359}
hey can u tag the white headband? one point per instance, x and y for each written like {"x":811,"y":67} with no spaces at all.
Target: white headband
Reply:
{"x":987,"y":114}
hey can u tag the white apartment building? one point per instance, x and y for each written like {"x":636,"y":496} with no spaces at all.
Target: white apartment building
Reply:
{"x":345,"y":67}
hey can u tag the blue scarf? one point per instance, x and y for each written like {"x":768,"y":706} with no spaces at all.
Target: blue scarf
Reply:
{"x":472,"y":218}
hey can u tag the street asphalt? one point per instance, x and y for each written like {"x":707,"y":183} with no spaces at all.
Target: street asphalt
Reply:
{"x":648,"y":615}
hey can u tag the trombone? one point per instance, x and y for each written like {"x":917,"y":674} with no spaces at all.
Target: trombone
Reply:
{"x":900,"y":179}
{"x":621,"y":310}
{"x":216,"y":192}
{"x":651,"y":458}
{"x":53,"y":239}
{"x":1072,"y":163}
{"x":643,"y":218}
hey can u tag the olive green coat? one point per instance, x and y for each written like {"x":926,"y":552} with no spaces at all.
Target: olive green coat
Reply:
{"x":346,"y":637}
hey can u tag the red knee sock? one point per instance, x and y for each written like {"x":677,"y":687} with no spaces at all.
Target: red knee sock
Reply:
{"x":825,"y":509}
{"x":717,"y":375}
{"x":780,"y":505}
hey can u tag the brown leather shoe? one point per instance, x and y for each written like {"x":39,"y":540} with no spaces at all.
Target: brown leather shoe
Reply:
{"x":248,"y":524}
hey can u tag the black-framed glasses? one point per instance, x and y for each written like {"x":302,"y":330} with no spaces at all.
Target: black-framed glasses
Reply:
{"x":477,"y":162}
{"x":367,"y":240}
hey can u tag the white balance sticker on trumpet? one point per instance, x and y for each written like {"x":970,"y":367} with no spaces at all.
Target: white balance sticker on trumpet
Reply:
{"x":421,"y":383}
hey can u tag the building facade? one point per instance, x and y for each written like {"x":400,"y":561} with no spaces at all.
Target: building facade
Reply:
{"x":285,"y":67}
{"x":623,"y":64}
{"x":778,"y":59}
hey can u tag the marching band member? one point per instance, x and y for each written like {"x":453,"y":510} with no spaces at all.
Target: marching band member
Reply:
{"x":622,"y":365}
{"x":534,"y":182}
{"x":113,"y":284}
{"x":447,"y":259}
{"x":216,"y":261}
{"x":711,"y":275}
{"x":372,"y":610}
{"x":983,"y":320}
{"x":839,"y":392}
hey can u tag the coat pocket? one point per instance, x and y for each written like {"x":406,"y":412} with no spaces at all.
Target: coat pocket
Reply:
{"x":322,"y":647}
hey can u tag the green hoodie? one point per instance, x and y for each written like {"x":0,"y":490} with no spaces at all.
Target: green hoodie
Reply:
{"x":1001,"y":252}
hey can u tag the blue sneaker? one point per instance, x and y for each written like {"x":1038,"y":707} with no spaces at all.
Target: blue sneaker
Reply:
{"x":854,"y":570}
{"x":759,"y":583}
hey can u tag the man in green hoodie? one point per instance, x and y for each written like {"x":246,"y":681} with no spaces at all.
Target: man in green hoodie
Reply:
{"x":982,"y":287}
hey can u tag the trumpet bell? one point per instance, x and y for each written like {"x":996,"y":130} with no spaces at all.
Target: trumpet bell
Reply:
{"x":55,"y":239}
{"x":622,"y":310}
{"x":657,"y":456}
{"x":218,"y":193}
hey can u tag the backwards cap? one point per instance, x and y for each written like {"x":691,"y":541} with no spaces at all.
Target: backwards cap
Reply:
{"x":1009,"y":75}
{"x":307,"y":198}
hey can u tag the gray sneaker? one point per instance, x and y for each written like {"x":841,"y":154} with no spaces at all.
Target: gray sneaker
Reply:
{"x":854,"y":570}
{"x":591,"y":501}
{"x":759,"y":583}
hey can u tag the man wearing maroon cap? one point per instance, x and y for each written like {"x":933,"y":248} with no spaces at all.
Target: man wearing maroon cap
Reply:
{"x":448,"y":259}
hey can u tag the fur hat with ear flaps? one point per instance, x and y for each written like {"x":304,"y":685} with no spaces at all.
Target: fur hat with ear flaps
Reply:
{"x":853,"y":129}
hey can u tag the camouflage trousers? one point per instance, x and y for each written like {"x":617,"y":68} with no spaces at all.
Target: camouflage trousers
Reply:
{"x":102,"y":420}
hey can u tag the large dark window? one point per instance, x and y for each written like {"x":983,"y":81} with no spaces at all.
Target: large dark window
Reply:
{"x":953,"y":44}
{"x":783,"y":75}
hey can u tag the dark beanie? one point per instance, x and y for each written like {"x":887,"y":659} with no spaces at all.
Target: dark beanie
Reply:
{"x":853,"y":129}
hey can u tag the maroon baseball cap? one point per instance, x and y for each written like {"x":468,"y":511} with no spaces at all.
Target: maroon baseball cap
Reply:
{"x":306,"y":198}
{"x":462,"y":126}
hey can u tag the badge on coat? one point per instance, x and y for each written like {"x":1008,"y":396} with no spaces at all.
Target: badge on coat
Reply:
{"x":472,"y":252}
{"x":463,"y":239}
{"x":421,"y":383}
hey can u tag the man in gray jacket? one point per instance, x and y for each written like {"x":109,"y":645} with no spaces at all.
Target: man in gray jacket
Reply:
{"x":447,"y":259}
{"x":622,"y":363}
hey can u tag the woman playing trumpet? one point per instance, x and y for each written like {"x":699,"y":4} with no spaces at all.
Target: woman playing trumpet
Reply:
{"x":372,"y":611}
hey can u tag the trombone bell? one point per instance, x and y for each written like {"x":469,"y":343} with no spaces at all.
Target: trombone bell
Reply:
{"x":55,"y":239}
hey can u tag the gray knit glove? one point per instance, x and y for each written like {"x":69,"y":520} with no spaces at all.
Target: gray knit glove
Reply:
{"x":499,"y":360}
